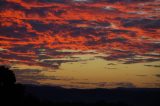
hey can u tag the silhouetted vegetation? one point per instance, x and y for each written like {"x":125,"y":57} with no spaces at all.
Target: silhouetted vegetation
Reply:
{"x":14,"y":94}
{"x":7,"y":77}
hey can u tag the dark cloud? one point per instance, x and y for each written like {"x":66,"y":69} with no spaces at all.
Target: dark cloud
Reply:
{"x":34,"y":76}
{"x":158,"y":66}
{"x":40,"y":26}
{"x":17,"y":57}
{"x":31,"y":76}
{"x":130,"y":1}
{"x":53,"y":1}
{"x":120,"y":56}
{"x":4,"y":4}
{"x":152,"y":55}
{"x":108,"y":84}
{"x":142,"y":23}
{"x":122,"y":1}
{"x":157,"y":75}
{"x":131,"y":61}
{"x":153,"y":45}
{"x":22,"y":48}
{"x":111,"y":64}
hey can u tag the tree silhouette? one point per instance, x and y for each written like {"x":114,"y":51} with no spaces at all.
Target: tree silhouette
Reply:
{"x":7,"y":77}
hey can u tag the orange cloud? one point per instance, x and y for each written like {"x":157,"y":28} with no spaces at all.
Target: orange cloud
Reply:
{"x":102,"y":26}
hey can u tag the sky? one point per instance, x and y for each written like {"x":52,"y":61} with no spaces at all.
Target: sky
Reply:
{"x":82,"y":43}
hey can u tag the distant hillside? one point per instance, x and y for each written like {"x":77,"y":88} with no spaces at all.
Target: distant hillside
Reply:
{"x":131,"y":96}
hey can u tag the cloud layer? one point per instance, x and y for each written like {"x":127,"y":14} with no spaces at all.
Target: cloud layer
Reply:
{"x":125,"y":30}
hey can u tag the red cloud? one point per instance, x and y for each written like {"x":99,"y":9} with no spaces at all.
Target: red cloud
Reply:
{"x":75,"y":25}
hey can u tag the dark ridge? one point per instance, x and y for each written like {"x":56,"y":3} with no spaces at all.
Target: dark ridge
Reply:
{"x":13,"y":94}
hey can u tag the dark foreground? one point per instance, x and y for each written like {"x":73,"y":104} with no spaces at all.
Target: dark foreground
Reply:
{"x":27,"y":95}
{"x":12,"y":94}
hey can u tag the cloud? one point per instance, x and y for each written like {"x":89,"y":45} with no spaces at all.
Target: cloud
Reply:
{"x":158,"y":66}
{"x":108,"y":84}
{"x":103,"y":25}
{"x":31,"y":76}
{"x":142,"y":23}
{"x":49,"y":33}
{"x":157,"y":75}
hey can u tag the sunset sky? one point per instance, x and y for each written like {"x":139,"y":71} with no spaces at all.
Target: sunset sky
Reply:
{"x":82,"y":43}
